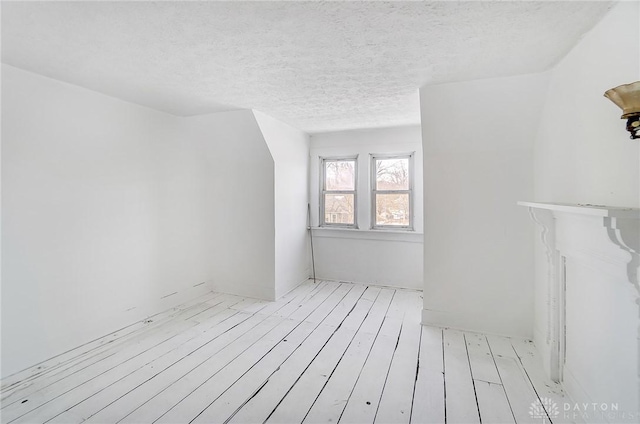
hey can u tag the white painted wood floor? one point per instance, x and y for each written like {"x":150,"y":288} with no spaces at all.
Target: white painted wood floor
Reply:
{"x":326,"y":352}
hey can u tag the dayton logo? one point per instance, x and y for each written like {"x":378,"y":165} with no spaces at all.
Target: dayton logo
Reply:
{"x":541,"y":407}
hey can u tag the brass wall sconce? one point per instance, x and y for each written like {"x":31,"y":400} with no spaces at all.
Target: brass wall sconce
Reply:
{"x":627,"y":97}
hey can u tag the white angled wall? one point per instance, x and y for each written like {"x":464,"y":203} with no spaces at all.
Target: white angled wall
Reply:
{"x":550,"y":137}
{"x":369,"y":256}
{"x":289,"y":148}
{"x":583,"y":153}
{"x":478,"y":160}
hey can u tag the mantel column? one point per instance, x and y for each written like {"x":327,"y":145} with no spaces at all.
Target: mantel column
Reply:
{"x":546,"y":224}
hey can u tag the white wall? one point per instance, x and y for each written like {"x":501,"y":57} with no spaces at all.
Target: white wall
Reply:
{"x":108,"y":207}
{"x":478,"y":160}
{"x":239,"y":200}
{"x":102,"y":217}
{"x":289,"y":148}
{"x":583,"y":155}
{"x":392,"y":258}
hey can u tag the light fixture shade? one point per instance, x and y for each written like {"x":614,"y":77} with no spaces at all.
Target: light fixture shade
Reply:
{"x":627,"y":97}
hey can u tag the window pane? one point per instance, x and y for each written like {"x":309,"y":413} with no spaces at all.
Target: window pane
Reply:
{"x":340,"y":175}
{"x":338,"y":209}
{"x":392,"y":209}
{"x":392,"y":174}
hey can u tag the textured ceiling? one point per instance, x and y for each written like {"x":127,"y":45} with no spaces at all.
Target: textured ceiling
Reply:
{"x":319,"y":66}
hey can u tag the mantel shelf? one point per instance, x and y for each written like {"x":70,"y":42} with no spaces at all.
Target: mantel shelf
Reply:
{"x":587,"y":209}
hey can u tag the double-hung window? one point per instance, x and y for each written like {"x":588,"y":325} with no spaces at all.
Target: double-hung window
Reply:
{"x":338,"y":199}
{"x":392,"y":191}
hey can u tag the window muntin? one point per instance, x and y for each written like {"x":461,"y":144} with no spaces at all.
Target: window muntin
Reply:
{"x":338,"y":202}
{"x":392,"y":191}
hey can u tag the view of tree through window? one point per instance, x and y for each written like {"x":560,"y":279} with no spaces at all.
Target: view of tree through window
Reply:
{"x":392,"y":192}
{"x":339,"y":191}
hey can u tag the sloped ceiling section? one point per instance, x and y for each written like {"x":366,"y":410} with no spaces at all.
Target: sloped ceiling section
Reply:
{"x":319,"y":66}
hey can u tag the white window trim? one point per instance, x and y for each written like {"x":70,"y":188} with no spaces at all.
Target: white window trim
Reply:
{"x":323,"y":191}
{"x":361,"y":234}
{"x":373,"y":180}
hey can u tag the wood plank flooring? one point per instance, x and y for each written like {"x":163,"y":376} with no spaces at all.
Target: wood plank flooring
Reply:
{"x":325,"y":353}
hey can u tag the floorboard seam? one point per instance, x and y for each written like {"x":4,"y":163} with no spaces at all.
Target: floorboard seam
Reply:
{"x":475,"y":393}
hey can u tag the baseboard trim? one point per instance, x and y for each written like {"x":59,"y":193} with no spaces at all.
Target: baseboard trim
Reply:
{"x":464,"y":322}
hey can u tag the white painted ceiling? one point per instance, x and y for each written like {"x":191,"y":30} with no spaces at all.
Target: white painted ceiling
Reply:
{"x":319,"y":66}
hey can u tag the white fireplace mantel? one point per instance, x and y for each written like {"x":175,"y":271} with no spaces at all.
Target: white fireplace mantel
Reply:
{"x":622,"y":226}
{"x":594,"y":245}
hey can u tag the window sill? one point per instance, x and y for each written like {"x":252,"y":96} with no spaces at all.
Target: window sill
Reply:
{"x":383,"y":235}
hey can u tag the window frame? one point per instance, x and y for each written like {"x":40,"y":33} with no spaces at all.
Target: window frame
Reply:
{"x":324,"y":191}
{"x":373,"y":182}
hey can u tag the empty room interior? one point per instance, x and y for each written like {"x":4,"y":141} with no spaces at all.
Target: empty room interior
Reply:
{"x":320,"y":212}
